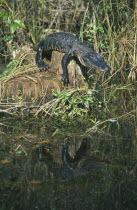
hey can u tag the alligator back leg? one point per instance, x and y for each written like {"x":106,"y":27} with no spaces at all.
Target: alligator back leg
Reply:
{"x":39,"y":62}
{"x":64,"y":63}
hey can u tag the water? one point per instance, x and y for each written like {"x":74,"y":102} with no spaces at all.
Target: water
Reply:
{"x":32,"y":175}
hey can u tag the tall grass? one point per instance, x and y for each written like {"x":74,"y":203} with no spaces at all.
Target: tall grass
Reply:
{"x":106,"y":25}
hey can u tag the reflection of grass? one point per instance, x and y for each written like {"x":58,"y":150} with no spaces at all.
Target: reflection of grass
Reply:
{"x":113,"y":188}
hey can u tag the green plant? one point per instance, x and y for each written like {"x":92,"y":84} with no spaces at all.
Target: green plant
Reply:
{"x":70,"y":104}
{"x":10,"y":18}
{"x":9,"y":68}
{"x":13,"y":24}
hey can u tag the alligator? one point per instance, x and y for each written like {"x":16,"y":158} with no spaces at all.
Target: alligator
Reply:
{"x":72,"y":47}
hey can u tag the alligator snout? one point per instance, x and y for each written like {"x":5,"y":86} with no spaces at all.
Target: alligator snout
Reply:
{"x":106,"y":68}
{"x":94,"y":61}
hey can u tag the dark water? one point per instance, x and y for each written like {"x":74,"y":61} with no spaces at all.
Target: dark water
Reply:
{"x":101,"y":173}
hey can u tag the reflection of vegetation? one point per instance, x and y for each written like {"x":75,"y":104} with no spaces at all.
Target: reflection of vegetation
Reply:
{"x":25,"y":174}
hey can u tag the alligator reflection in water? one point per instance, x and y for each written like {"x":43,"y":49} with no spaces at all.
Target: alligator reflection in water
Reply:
{"x":84,"y":166}
{"x":29,"y":182}
{"x":42,"y":166}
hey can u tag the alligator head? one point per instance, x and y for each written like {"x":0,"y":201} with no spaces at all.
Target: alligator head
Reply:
{"x":90,"y":58}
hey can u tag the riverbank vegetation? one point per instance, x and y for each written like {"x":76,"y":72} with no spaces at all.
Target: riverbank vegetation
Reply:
{"x":107,"y":26}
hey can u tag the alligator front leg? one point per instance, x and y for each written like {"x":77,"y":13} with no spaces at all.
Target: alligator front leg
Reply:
{"x":64,"y":63}
{"x":84,"y":70}
{"x":39,"y":62}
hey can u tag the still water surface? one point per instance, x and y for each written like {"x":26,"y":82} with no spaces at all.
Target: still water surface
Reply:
{"x":100,"y":174}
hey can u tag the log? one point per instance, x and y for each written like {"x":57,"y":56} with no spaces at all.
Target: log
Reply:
{"x":32,"y":85}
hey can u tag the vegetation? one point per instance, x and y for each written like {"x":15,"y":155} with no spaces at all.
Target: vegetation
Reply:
{"x":104,"y":114}
{"x":109,"y":27}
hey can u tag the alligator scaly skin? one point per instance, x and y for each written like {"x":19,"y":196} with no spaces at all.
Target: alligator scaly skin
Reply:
{"x":71,"y":46}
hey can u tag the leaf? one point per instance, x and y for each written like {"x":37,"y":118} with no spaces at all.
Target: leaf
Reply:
{"x":13,"y":27}
{"x":4,"y":15}
{"x":5,"y":161}
{"x":36,"y":182}
{"x":9,"y":21}
{"x":20,"y":23}
{"x":8,"y":38}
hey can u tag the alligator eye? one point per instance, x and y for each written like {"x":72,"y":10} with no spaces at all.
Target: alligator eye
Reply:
{"x":92,"y":56}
